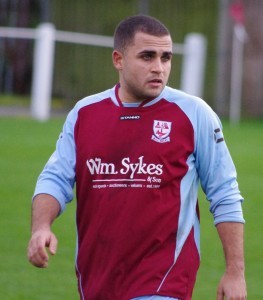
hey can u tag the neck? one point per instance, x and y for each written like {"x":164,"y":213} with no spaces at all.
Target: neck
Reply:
{"x":122,"y":98}
{"x":126,"y":98}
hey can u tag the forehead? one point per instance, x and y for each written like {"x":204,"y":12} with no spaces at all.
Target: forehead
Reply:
{"x":143,"y":41}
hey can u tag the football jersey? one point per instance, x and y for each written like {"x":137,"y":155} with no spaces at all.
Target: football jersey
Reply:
{"x":137,"y":168}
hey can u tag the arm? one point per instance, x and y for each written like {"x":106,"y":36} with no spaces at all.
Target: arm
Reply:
{"x":54,"y":189}
{"x":219,"y":181}
{"x":45,"y":209}
{"x":232,"y":285}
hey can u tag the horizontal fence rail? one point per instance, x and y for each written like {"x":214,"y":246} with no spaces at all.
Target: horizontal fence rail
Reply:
{"x":17,"y":33}
{"x":45,"y":36}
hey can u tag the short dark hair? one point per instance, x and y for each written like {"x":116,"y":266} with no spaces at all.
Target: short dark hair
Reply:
{"x":127,"y":28}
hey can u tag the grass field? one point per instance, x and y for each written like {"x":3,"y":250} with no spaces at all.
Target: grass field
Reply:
{"x":25,"y":147}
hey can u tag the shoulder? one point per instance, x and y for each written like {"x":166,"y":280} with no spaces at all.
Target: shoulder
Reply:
{"x":194,"y":107}
{"x":184,"y":100}
{"x":89,"y":102}
{"x":93,"y":99}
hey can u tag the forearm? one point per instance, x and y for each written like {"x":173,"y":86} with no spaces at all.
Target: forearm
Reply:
{"x":232,"y":238}
{"x":45,"y":209}
{"x":232,"y":284}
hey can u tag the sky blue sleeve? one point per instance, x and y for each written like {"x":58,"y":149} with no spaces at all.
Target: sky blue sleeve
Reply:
{"x":58,"y":176}
{"x":216,"y":169}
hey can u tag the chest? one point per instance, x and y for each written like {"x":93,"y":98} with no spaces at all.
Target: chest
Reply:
{"x":133,"y":141}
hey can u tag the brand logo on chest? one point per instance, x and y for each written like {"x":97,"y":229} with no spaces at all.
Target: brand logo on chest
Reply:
{"x":161,"y":131}
{"x":130,"y":117}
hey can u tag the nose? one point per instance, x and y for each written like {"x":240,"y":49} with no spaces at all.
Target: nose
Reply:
{"x":157,"y":66}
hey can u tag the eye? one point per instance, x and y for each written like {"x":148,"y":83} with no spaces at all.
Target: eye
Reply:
{"x":166,"y":57}
{"x":147,"y":56}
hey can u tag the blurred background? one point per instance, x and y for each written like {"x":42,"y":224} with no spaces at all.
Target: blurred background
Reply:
{"x":80,"y":70}
{"x":232,"y":85}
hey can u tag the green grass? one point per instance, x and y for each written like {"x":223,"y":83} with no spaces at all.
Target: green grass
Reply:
{"x":246,"y":146}
{"x":25,"y":147}
{"x":18,"y":101}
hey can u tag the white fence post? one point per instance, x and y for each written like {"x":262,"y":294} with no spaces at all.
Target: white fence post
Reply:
{"x":43,"y":72}
{"x":193,"y":68}
{"x":192,"y":75}
{"x":239,"y":38}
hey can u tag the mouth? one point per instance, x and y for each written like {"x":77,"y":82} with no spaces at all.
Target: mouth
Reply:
{"x":155,"y":82}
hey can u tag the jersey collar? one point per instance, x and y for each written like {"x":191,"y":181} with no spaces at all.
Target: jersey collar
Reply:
{"x":121,"y":104}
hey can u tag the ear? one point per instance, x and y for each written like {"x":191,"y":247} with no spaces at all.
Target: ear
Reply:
{"x":117,"y":59}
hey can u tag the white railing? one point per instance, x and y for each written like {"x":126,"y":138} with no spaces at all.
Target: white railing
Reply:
{"x":45,"y":36}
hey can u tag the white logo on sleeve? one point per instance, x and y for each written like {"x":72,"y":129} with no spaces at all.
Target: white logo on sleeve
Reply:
{"x":161,"y":131}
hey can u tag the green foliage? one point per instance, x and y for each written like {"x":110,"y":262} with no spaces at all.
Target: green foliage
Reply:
{"x":25,"y":147}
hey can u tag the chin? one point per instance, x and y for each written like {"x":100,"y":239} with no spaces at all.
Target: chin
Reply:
{"x":155,"y":93}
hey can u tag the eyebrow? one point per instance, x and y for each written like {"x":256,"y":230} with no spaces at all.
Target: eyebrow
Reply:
{"x":165,"y":53}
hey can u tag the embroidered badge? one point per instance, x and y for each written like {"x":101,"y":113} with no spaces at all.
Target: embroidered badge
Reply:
{"x":161,"y":131}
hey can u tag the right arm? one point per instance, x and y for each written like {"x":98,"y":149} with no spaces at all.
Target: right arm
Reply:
{"x":45,"y":209}
{"x":54,"y":189}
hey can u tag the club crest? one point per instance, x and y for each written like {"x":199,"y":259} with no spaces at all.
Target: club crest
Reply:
{"x":161,"y":131}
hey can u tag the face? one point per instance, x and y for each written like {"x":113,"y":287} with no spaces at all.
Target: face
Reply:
{"x":144,"y":67}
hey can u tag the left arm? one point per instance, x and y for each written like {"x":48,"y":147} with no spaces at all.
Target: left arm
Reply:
{"x":219,"y":182}
{"x":232,"y":285}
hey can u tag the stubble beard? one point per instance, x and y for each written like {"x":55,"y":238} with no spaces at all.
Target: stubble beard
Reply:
{"x":143,"y":93}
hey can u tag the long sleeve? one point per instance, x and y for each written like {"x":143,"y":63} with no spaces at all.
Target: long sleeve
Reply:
{"x":58,"y":176}
{"x":216,"y":170}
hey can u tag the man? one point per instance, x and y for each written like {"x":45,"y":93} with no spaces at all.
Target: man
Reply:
{"x":136,"y":153}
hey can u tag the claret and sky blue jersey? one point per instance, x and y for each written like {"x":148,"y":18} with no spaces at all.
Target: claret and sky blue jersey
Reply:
{"x":137,"y":168}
